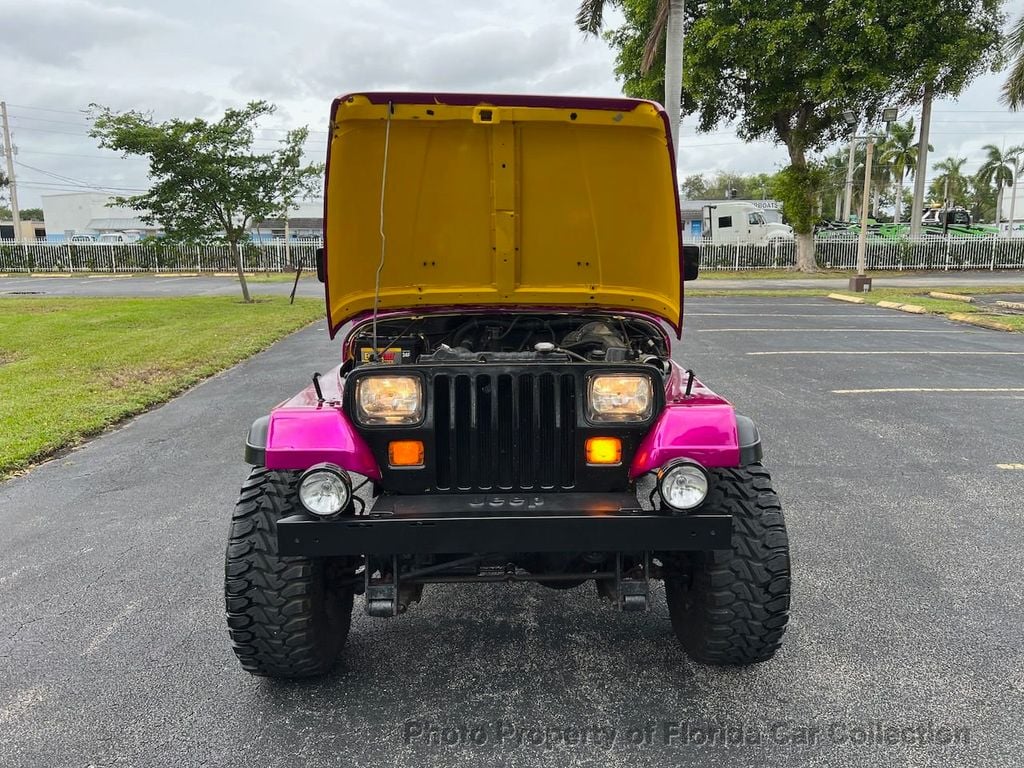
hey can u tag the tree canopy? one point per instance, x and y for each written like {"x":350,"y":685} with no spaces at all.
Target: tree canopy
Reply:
{"x":206,"y":177}
{"x":787,"y":72}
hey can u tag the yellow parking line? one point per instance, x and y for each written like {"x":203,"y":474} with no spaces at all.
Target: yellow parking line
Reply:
{"x":1010,"y":466}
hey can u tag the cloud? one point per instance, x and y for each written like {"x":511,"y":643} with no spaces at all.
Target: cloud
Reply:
{"x":55,"y":33}
{"x":197,"y":57}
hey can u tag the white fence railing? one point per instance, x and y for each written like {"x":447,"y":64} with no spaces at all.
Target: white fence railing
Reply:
{"x":151,"y":257}
{"x":953,"y":253}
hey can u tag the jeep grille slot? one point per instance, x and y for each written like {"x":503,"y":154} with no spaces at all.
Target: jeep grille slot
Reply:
{"x":505,"y":431}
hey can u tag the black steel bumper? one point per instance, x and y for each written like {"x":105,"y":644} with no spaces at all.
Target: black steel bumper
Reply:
{"x":486,"y":523}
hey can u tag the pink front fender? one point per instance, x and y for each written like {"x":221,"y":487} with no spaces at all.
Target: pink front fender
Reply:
{"x":701,"y":427}
{"x":299,"y":437}
{"x":704,"y":433}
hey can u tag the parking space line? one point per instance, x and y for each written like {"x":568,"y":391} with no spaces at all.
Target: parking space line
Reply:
{"x":1010,"y":466}
{"x":888,"y":390}
{"x":828,"y":330}
{"x":869,"y":316}
{"x":880,"y":352}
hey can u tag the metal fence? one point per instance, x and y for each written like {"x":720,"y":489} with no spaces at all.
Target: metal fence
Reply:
{"x":926,"y":253}
{"x":151,"y":257}
{"x":953,"y":253}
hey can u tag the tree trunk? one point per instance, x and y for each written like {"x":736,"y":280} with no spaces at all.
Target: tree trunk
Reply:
{"x":803,"y":227}
{"x":1013,"y":199}
{"x":839,"y":205}
{"x":237,"y":256}
{"x":898,"y":203}
{"x":917,"y":208}
{"x":876,"y":195}
{"x":674,"y":66}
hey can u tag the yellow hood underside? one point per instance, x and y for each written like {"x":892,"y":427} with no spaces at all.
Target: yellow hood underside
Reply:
{"x":514,"y":201}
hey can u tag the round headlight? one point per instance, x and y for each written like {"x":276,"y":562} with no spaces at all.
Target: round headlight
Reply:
{"x":682,"y":485}
{"x":325,"y":490}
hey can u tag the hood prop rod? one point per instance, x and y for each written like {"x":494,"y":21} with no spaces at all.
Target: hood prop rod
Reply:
{"x":316,"y":386}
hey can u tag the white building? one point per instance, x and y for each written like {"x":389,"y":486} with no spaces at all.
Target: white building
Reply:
{"x":89,"y":213}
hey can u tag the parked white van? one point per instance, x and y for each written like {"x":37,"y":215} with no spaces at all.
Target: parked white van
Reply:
{"x":743,"y":224}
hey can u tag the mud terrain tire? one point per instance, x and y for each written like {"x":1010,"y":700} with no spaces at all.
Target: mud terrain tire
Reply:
{"x":731,"y":607}
{"x":285,"y":616}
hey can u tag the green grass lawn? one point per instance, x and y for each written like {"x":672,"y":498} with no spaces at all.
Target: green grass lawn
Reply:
{"x":71,"y":367}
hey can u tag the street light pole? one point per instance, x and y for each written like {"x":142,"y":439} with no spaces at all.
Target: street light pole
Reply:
{"x":862,"y":282}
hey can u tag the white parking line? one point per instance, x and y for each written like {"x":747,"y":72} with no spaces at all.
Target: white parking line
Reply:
{"x":924,"y":389}
{"x":827,"y":330}
{"x":878,"y":352}
{"x":860,"y":315}
{"x":1010,"y":466}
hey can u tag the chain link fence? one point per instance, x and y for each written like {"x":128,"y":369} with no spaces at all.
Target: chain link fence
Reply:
{"x":927,"y":253}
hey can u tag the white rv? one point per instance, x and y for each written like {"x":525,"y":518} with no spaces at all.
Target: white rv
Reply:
{"x":741,"y":223}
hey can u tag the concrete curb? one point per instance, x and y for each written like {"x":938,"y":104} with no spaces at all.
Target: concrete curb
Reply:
{"x":914,"y":309}
{"x":1010,"y":304}
{"x":851,"y":299}
{"x":951,"y":296}
{"x":175,"y":274}
{"x":984,"y":322}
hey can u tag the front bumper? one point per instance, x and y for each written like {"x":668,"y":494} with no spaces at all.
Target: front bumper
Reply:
{"x":498,"y":523}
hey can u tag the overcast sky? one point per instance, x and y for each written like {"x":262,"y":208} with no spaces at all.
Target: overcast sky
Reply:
{"x":192,"y":58}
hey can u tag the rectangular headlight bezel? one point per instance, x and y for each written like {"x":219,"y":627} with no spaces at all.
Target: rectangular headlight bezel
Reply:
{"x":620,"y":416}
{"x":410,"y":418}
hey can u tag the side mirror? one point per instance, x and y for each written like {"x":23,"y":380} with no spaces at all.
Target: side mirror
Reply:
{"x":321,"y":266}
{"x":691,"y":262}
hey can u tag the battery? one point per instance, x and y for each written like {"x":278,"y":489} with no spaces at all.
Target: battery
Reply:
{"x":399,"y":352}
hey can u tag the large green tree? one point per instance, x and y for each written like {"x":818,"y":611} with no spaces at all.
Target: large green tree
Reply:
{"x":787,"y":72}
{"x":206,"y":177}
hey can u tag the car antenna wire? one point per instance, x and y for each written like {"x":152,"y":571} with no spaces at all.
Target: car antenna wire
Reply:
{"x":383,"y":239}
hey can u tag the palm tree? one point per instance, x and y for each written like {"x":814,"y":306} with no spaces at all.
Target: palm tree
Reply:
{"x":1013,"y":89}
{"x":998,"y":170}
{"x":899,"y":153}
{"x":951,"y":178}
{"x":668,"y":24}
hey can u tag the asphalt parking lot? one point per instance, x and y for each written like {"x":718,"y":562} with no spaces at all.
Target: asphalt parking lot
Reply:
{"x":885,"y":433}
{"x":177,"y":284}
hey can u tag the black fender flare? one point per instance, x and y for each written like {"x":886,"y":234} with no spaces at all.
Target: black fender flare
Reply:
{"x":256,"y":442}
{"x":749,"y":440}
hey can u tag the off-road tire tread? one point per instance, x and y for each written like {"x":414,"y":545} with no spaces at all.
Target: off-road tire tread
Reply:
{"x":732,"y":607}
{"x":284,"y":618}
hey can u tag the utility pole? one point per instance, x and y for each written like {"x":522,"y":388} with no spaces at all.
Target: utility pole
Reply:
{"x":917,"y":209}
{"x":862,"y":282}
{"x":9,"y":154}
{"x":848,"y":199}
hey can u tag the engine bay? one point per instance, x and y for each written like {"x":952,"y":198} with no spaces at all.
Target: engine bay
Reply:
{"x":509,"y":337}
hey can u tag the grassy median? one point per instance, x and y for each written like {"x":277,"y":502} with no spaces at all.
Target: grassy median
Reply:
{"x":981,"y":313}
{"x":71,"y":367}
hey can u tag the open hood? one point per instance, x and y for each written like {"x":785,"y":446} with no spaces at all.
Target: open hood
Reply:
{"x":567,"y":203}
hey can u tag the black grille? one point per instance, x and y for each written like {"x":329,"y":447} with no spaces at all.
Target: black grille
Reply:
{"x":505,"y":431}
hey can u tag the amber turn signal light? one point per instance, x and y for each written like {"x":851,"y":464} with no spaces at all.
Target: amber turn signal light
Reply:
{"x":405,"y":453}
{"x":604,"y":450}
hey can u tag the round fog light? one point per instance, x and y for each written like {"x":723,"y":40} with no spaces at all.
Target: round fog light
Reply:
{"x":682,"y":485}
{"x":325,"y":490}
